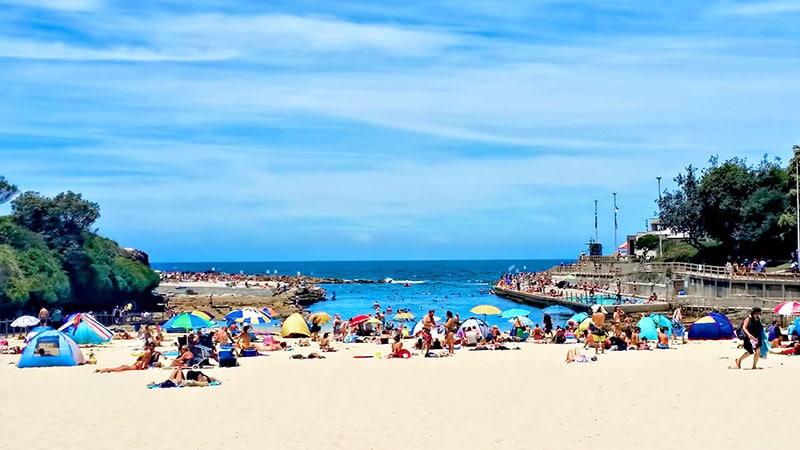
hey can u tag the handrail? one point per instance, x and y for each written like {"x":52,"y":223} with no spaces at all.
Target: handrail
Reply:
{"x":623,"y":268}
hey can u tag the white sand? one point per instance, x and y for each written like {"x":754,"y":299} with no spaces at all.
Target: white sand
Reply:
{"x":665,"y":399}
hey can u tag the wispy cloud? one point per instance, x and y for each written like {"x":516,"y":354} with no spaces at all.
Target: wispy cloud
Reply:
{"x":357,"y":125}
{"x":62,"y":5}
{"x":760,"y":8}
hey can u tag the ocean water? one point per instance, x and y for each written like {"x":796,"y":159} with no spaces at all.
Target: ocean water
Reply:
{"x":418,"y":286}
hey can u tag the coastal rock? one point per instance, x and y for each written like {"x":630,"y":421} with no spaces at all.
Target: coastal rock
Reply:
{"x":138,"y":255}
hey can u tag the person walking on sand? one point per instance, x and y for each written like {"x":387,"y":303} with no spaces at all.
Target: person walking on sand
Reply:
{"x":752,"y":329}
{"x":677,"y":325}
{"x":451,"y":327}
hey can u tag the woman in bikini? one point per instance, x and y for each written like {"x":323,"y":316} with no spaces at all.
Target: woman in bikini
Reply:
{"x":451,"y":325}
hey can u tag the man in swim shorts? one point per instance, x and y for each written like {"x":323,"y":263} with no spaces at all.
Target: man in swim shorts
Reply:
{"x":598,"y":332}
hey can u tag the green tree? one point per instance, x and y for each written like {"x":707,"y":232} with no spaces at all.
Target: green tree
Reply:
{"x":647,"y":242}
{"x":682,"y":210}
{"x":62,"y":220}
{"x":7,"y":190}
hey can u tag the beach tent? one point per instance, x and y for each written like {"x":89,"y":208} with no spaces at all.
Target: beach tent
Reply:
{"x":295,"y":326}
{"x":84,"y":329}
{"x":439,"y":327}
{"x":473,"y":322}
{"x":712,"y":326}
{"x":51,"y":348}
{"x":650,"y":325}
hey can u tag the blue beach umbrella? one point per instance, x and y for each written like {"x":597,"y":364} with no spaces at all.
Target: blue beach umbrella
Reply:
{"x":186,"y":322}
{"x":249,"y":316}
{"x":522,"y":320}
{"x":578,"y":318}
{"x":514,"y":312}
{"x":558,"y":310}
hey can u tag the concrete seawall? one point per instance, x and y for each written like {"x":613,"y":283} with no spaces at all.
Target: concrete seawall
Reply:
{"x":543,"y":301}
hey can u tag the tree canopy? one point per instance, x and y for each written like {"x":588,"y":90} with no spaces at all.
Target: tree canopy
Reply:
{"x":50,"y":257}
{"x":741,"y":208}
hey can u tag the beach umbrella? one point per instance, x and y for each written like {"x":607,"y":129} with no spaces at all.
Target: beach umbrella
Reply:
{"x":509,"y":313}
{"x":270,"y":312}
{"x":578,"y":318}
{"x":185,"y":322}
{"x":584,"y":325}
{"x":204,"y":314}
{"x":250,"y":316}
{"x":558,"y":310}
{"x":526,"y":322}
{"x":373,"y":321}
{"x":25,"y":321}
{"x":319,"y":318}
{"x":486,"y":310}
{"x":404,"y":317}
{"x":358,"y":320}
{"x":785,"y":308}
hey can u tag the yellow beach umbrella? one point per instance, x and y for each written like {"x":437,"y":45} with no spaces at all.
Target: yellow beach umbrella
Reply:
{"x":319,"y":318}
{"x":486,"y":310}
{"x":404,"y":317}
{"x":587,"y":322}
{"x":374,"y":321}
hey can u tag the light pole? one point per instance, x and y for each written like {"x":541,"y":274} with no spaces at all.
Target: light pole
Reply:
{"x":796,"y":150}
{"x":616,"y":210}
{"x":660,"y":244}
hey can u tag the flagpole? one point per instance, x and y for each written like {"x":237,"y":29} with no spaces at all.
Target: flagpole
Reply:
{"x":596,"y":235}
{"x":616,"y":249}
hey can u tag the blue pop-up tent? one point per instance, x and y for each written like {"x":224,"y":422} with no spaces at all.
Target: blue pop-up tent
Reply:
{"x":650,"y":325}
{"x":51,"y":348}
{"x":712,"y":326}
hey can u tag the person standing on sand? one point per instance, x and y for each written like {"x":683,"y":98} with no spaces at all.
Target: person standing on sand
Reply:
{"x":677,"y":324}
{"x":451,"y":325}
{"x":44,"y":316}
{"x":752,"y":329}
{"x":599,"y":332}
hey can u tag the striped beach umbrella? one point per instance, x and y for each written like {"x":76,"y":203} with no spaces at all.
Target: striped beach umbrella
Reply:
{"x":204,"y":314}
{"x":249,"y":316}
{"x":270,"y":312}
{"x":186,"y":322}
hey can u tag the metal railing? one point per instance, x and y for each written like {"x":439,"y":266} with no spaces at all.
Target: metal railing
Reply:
{"x":131,"y":319}
{"x":616,"y":269}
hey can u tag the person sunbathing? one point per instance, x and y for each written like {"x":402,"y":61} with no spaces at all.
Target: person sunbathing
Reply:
{"x":185,"y":358}
{"x":122,"y":335}
{"x":192,"y":378}
{"x":142,"y":362}
{"x":397,"y":347}
{"x":325,"y":343}
{"x":575,"y":355}
{"x":663,"y":339}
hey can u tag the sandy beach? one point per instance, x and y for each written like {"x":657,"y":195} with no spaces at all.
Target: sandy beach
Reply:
{"x":475,"y":400}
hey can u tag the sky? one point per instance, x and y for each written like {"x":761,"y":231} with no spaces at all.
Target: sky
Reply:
{"x":237,"y":130}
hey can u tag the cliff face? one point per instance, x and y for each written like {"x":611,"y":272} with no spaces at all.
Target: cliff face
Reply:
{"x":138,"y":255}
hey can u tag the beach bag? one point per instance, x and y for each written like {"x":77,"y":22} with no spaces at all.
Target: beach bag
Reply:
{"x":740,"y":333}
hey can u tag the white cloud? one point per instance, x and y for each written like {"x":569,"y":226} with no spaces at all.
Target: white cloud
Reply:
{"x":26,"y":49}
{"x":760,"y":8}
{"x":63,"y":5}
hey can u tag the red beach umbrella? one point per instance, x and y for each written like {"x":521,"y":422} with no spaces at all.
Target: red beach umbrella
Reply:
{"x":358,"y":320}
{"x":787,"y":308}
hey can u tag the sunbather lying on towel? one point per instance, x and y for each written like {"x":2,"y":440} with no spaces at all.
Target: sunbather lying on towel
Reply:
{"x":192,"y":378}
{"x":142,"y":362}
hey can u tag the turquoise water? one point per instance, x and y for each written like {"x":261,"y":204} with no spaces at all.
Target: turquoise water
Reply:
{"x":417,"y":285}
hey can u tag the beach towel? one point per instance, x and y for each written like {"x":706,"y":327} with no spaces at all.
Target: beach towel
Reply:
{"x":765,"y":346}
{"x":169,"y":384}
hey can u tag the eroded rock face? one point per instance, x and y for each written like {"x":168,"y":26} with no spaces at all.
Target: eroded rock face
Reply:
{"x":139,"y":255}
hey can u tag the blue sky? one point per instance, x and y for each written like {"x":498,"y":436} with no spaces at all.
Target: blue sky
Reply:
{"x":242,"y":130}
